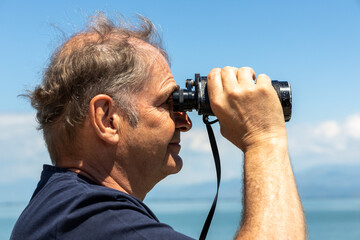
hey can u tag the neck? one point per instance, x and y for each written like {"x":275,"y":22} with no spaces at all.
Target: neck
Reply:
{"x":101,"y":163}
{"x":109,"y":176}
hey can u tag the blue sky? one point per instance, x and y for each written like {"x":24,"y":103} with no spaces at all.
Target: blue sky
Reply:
{"x":312,"y":44}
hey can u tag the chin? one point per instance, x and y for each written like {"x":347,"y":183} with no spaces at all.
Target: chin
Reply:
{"x":175,"y":164}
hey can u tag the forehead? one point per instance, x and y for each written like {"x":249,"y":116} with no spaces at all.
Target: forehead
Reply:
{"x":160,"y":74}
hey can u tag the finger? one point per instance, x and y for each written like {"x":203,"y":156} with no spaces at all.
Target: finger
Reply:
{"x":263,"y":80}
{"x":214,"y":83}
{"x":246,"y":76}
{"x":228,"y":78}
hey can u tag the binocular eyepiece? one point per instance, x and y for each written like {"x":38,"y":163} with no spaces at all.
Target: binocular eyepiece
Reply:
{"x":188,"y":99}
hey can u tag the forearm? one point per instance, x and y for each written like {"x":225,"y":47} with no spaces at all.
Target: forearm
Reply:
{"x":272,"y":208}
{"x":251,"y":117}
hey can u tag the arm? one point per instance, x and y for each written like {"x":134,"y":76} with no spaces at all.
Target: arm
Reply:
{"x":251,"y":117}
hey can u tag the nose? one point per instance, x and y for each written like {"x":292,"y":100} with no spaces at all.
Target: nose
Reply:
{"x":182,"y":121}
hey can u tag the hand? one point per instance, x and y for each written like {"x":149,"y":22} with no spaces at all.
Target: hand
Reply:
{"x":249,"y":114}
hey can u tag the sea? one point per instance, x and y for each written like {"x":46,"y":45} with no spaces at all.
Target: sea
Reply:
{"x":327,"y":218}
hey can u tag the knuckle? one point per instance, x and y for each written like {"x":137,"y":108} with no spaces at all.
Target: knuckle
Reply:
{"x":214,"y":72}
{"x":234,"y":93}
{"x":263,"y":89}
{"x":245,"y":70}
{"x":216,"y":103}
{"x":227,"y":69}
{"x":263,"y":76}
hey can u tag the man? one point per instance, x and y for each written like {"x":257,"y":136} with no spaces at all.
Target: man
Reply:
{"x":105,"y":108}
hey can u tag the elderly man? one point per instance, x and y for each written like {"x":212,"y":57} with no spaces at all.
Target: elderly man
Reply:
{"x":105,"y":109}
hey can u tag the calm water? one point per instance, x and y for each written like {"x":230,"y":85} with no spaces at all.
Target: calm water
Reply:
{"x":326,"y":218}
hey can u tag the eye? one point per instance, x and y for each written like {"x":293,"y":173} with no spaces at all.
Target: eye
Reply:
{"x":170,"y":100}
{"x":168,"y":104}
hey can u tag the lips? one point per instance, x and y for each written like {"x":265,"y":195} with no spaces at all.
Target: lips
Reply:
{"x":175,"y":142}
{"x":175,"y":145}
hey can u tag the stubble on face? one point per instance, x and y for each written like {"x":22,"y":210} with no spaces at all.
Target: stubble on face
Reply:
{"x":152,"y":147}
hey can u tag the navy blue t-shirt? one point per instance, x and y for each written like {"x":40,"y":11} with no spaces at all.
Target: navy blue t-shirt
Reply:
{"x":66,"y":205}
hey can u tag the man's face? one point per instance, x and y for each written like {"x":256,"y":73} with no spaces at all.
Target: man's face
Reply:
{"x":153,"y":145}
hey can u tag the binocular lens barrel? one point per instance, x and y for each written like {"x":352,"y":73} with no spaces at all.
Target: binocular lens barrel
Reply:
{"x":185,"y":100}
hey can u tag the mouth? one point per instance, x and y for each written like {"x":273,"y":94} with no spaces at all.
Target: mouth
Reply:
{"x":175,"y":146}
{"x":175,"y":142}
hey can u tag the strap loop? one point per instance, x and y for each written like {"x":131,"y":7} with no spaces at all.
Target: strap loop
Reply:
{"x":215,"y":153}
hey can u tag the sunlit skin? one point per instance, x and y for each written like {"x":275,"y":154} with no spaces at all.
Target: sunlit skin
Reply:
{"x":131,"y":159}
{"x":251,"y":117}
{"x":126,"y":158}
{"x":152,"y":147}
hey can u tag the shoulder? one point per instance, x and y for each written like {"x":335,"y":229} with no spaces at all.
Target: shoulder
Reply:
{"x":68,"y":193}
{"x":97,"y":212}
{"x":68,"y":206}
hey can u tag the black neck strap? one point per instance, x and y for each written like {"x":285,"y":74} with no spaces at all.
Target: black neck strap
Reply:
{"x":215,"y":153}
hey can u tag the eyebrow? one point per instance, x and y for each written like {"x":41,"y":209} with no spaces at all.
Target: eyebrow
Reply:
{"x":171,"y":90}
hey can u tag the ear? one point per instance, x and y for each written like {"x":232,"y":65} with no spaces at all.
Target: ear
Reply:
{"x":104,"y":118}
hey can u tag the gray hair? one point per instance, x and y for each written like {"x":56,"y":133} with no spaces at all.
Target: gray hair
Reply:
{"x":102,"y":59}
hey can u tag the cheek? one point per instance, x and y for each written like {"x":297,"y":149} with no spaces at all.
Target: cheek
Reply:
{"x":159,"y":120}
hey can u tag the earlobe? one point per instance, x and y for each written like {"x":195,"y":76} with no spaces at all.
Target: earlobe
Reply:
{"x":103,"y":117}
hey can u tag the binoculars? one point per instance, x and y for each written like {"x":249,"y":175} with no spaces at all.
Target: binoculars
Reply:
{"x":195,"y":97}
